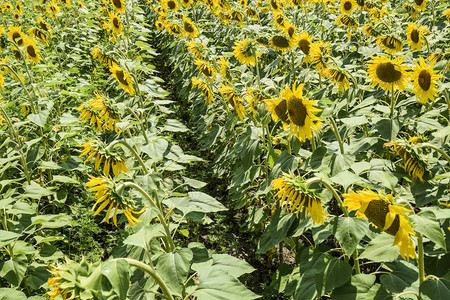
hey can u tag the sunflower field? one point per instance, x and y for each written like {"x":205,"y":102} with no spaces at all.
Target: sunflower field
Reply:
{"x":225,"y":149}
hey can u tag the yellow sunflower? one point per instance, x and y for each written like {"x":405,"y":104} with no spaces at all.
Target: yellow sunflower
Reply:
{"x":383,"y":214}
{"x":319,"y":55}
{"x":276,"y":7}
{"x":289,"y":30}
{"x":303,"y":41}
{"x":295,"y":196}
{"x":339,"y":77}
{"x":280,"y":21}
{"x":424,"y":80}
{"x":204,"y":88}
{"x":159,"y":24}
{"x":105,"y":193}
{"x":206,"y":68}
{"x":245,"y":52}
{"x":420,"y":5}
{"x":236,"y":16}
{"x":100,"y":112}
{"x":111,"y":160}
{"x":251,"y":13}
{"x":280,"y":43}
{"x":80,"y":4}
{"x":370,"y":31}
{"x":103,"y":58}
{"x":174,"y":29}
{"x":347,"y":21}
{"x":91,"y":116}
{"x":233,"y":99}
{"x":124,"y":79}
{"x":446,"y":14}
{"x":171,"y":4}
{"x":116,"y":23}
{"x":410,"y":154}
{"x":410,"y":9}
{"x":19,"y":7}
{"x":387,"y":74}
{"x":37,"y":33}
{"x":119,"y":5}
{"x":224,"y":68}
{"x":390,"y":44}
{"x":196,"y":49}
{"x":189,"y":27}
{"x":347,"y":6}
{"x":278,"y":109}
{"x":16,"y":35}
{"x":31,"y":50}
{"x":53,"y":9}
{"x":16,"y":15}
{"x":187,"y":3}
{"x":415,"y":36}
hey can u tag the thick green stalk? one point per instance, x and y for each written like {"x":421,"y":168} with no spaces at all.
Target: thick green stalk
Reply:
{"x":124,"y":143}
{"x":338,"y":136}
{"x":420,"y":260}
{"x":442,"y":152}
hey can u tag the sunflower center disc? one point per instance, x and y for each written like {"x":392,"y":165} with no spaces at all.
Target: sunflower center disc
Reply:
{"x":15,"y":36}
{"x":376,"y":212}
{"x":188,"y":27}
{"x":281,"y":111}
{"x":31,"y":51}
{"x":424,"y":80}
{"x":387,"y":73}
{"x":207,"y":71}
{"x":418,"y":2}
{"x":171,"y":4}
{"x":390,"y":42}
{"x":291,"y":31}
{"x":360,"y":2}
{"x":297,"y":111}
{"x":347,"y":5}
{"x":304,"y":46}
{"x":116,"y":22}
{"x":415,"y":36}
{"x":280,"y":41}
{"x":121,"y":78}
{"x":117,"y":3}
{"x":43,"y":26}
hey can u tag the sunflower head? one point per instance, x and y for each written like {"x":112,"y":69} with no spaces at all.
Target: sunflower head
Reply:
{"x":280,"y":43}
{"x":381,"y":211}
{"x":16,"y":35}
{"x":233,"y":99}
{"x":410,"y":9}
{"x":119,"y":5}
{"x":206,"y":68}
{"x":339,"y":77}
{"x":425,"y":80}
{"x":124,"y":79}
{"x":171,"y":5}
{"x":370,"y":31}
{"x":420,"y":4}
{"x":347,"y":21}
{"x":196,"y":49}
{"x":31,"y":50}
{"x":415,"y":35}
{"x":189,"y":27}
{"x":319,"y":55}
{"x":303,"y":41}
{"x":295,"y":196}
{"x":347,"y":6}
{"x":388,"y":74}
{"x":254,"y":97}
{"x":204,"y":88}
{"x":245,"y":52}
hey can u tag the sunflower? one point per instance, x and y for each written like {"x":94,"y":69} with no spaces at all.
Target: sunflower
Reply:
{"x":2,"y":80}
{"x":278,"y":109}
{"x":116,"y":23}
{"x":319,"y":55}
{"x":105,"y":193}
{"x":159,"y":24}
{"x":303,"y":41}
{"x":174,"y":29}
{"x":25,"y":110}
{"x":53,"y":9}
{"x":244,"y":51}
{"x":389,"y":217}
{"x":347,"y":21}
{"x":31,"y":50}
{"x":111,"y":160}
{"x":224,"y":65}
{"x":415,"y":36}
{"x":386,"y":74}
{"x":171,"y":4}
{"x":295,"y":196}
{"x":254,"y":97}
{"x":204,"y":88}
{"x":251,"y":13}
{"x":289,"y":30}
{"x":410,"y":9}
{"x":233,"y":99}
{"x":370,"y":31}
{"x":280,"y":21}
{"x":37,"y":33}
{"x":119,"y":5}
{"x":189,"y":27}
{"x":187,"y":3}
{"x":223,"y":4}
{"x":347,"y":6}
{"x":80,"y":4}
{"x":410,"y":153}
{"x":16,"y":15}
{"x":420,"y":5}
{"x":16,"y":35}
{"x":339,"y":77}
{"x":361,"y":3}
{"x":19,"y":7}
{"x":8,"y":7}
{"x":56,"y":281}
{"x":103,"y":58}
{"x":206,"y":68}
{"x":280,"y":43}
{"x":88,"y":114}
{"x":276,"y":7}
{"x":424,"y":80}
{"x":196,"y":49}
{"x":236,"y":16}
{"x":446,"y":14}
{"x":124,"y":79}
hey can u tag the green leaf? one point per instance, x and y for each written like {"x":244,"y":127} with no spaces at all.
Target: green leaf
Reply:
{"x":388,"y":128}
{"x":427,"y":225}
{"x":348,"y":231}
{"x":35,"y":191}
{"x":357,"y":288}
{"x":13,"y":270}
{"x":143,"y":237}
{"x":117,"y":273}
{"x":8,"y":294}
{"x":174,"y":267}
{"x":38,"y":277}
{"x":196,"y":202}
{"x":7,"y":237}
{"x":65,"y":179}
{"x":40,"y":118}
{"x":276,"y":231}
{"x":173,"y":125}
{"x":435,"y":289}
{"x":346,"y":179}
{"x":196,"y":184}
{"x":336,"y":274}
{"x":403,"y":275}
{"x":22,"y":247}
{"x":380,"y":249}
{"x":44,"y":218}
{"x":216,"y":284}
{"x":233,"y":266}
{"x":46,"y":239}
{"x":386,"y":179}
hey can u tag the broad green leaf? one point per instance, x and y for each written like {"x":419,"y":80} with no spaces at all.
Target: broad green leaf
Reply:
{"x":143,"y":237}
{"x":44,"y":218}
{"x":48,"y":165}
{"x":201,"y":257}
{"x":13,"y":270}
{"x":38,"y":277}
{"x":346,"y":179}
{"x":348,"y":231}
{"x":173,"y":125}
{"x":7,"y":237}
{"x":435,"y":289}
{"x":427,"y":225}
{"x":174,"y":267}
{"x":276,"y":231}
{"x":65,"y":179}
{"x":402,"y":276}
{"x":22,"y":247}
{"x":280,"y":278}
{"x":386,"y":179}
{"x":200,"y":202}
{"x":49,"y":253}
{"x":337,"y":273}
{"x":117,"y":273}
{"x":40,"y":118}
{"x":388,"y":128}
{"x":356,"y":288}
{"x":35,"y":191}
{"x":216,"y":284}
{"x":46,"y":239}
{"x":380,"y":249}
{"x":196,"y":184}
{"x":231,"y":265}
{"x":9,"y":294}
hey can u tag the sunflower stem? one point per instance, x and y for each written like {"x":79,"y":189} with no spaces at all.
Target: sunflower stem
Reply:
{"x":140,"y":123}
{"x":420,"y":260}
{"x":442,"y":152}
{"x":153,"y":274}
{"x":257,"y":68}
{"x":124,"y":143}
{"x":392,"y":106}
{"x":338,"y":136}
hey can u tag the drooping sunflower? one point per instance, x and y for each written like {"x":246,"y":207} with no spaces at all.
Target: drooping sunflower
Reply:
{"x":370,"y":31}
{"x":280,"y":21}
{"x":411,"y":156}
{"x":303,"y":41}
{"x":116,"y":23}
{"x":280,"y":42}
{"x":187,"y":3}
{"x":245,"y":51}
{"x":223,"y":4}
{"x":196,"y":49}
{"x":420,"y":5}
{"x":119,"y":5}
{"x":424,"y":80}
{"x":224,"y":68}
{"x":360,"y":3}
{"x":276,"y":7}
{"x":16,"y":15}
{"x":377,"y":14}
{"x":91,"y":116}
{"x":101,"y":112}
{"x":234,"y":100}
{"x":278,"y":108}
{"x":347,"y":21}
{"x":65,"y":2}
{"x":319,"y":55}
{"x":205,"y":67}
{"x":383,"y":214}
{"x":236,"y":16}
{"x":347,"y":6}
{"x":174,"y":29}
{"x":16,"y":35}
{"x":124,"y":79}
{"x":105,"y":193}
{"x":251,"y":14}
{"x":19,"y":7}
{"x":387,"y":74}
{"x":415,"y":36}
{"x":290,"y":30}
{"x":171,"y":4}
{"x":295,"y":196}
{"x":446,"y":14}
{"x":37,"y":33}
{"x":254,"y":97}
{"x":32,"y":51}
{"x":411,"y":10}
{"x":204,"y":88}
{"x":189,"y":27}
{"x":390,"y":44}
{"x":103,"y":58}
{"x":53,"y":9}
{"x":339,"y":77}
{"x":110,"y":159}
